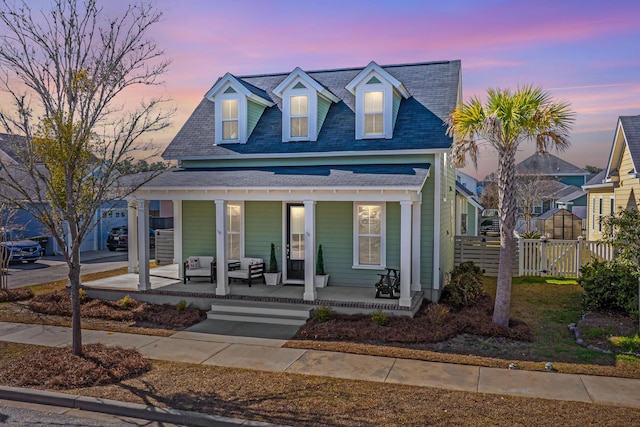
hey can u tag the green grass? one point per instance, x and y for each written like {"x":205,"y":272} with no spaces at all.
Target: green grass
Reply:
{"x":548,"y":306}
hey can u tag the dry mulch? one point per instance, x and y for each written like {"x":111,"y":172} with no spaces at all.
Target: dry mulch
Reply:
{"x":58,"y":303}
{"x":58,"y":368}
{"x":432,"y":324}
{"x":10,"y":295}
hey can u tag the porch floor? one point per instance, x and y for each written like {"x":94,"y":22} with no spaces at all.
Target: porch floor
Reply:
{"x":164,"y":281}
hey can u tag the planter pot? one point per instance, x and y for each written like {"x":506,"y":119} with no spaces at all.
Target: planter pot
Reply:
{"x":321,"y":280}
{"x":272,"y":279}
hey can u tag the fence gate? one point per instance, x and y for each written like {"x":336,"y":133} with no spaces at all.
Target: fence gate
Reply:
{"x":533,"y":257}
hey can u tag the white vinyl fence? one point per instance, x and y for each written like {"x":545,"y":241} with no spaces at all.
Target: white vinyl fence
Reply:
{"x":534,"y":257}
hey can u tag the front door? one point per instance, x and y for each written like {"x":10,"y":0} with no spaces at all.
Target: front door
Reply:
{"x":295,"y":242}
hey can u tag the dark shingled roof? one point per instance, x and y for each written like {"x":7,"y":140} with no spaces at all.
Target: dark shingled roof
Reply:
{"x":631,"y":126}
{"x":379,"y":176}
{"x":547,"y":164}
{"x":599,"y":178}
{"x":433,"y":86}
{"x":10,"y":143}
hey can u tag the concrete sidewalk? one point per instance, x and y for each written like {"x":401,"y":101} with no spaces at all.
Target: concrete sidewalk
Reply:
{"x":269,"y":355}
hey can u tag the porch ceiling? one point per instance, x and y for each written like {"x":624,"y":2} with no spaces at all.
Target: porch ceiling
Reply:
{"x":398,"y":182}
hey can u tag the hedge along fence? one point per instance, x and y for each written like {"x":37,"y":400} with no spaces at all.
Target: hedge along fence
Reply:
{"x":533,"y":257}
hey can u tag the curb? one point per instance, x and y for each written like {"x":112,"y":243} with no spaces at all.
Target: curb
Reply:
{"x":126,"y":409}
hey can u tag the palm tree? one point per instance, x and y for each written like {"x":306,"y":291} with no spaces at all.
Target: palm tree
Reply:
{"x":503,"y":122}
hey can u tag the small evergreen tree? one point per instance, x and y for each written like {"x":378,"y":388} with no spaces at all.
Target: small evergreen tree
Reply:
{"x":273,"y":261}
{"x":320,"y":262}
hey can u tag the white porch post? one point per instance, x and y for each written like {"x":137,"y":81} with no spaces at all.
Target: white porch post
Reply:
{"x":177,"y":236}
{"x":143,"y":245}
{"x":405,"y":253}
{"x":415,"y":246}
{"x":132,"y":227}
{"x":309,"y":250}
{"x":222,"y":278}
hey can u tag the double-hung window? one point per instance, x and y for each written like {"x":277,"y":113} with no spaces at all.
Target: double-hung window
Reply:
{"x":229,"y":119}
{"x":374,"y":113}
{"x":234,"y":231}
{"x":299,"y":116}
{"x":600,"y":214}
{"x":369,"y":245}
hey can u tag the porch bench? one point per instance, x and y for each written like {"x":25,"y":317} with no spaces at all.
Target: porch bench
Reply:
{"x":388,"y":283}
{"x":249,"y":269}
{"x":201,"y":266}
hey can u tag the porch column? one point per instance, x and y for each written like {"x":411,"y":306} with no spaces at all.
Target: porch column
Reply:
{"x":309,"y":250}
{"x":416,"y":216}
{"x":177,"y":236}
{"x":143,"y":245}
{"x":132,"y":227}
{"x":222,"y":278}
{"x":405,"y":253}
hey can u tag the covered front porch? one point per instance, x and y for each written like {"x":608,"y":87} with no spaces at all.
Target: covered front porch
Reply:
{"x":167,"y":288}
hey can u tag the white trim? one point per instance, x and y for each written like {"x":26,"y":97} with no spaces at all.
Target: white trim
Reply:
{"x":222,"y":278}
{"x":177,"y":237}
{"x":436,"y":223}
{"x":230,"y":80}
{"x":375,"y":69}
{"x":405,"y":253}
{"x":309,"y":250}
{"x":242,"y":118}
{"x":144,"y":282}
{"x":312,"y":115}
{"x":298,"y":74}
{"x":387,"y":110}
{"x":383,"y":236}
{"x":239,"y":203}
{"x":416,"y":242}
{"x":133,"y":235}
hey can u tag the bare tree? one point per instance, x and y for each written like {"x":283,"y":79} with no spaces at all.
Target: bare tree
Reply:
{"x":7,"y":213}
{"x":64,"y":71}
{"x":531,"y":189}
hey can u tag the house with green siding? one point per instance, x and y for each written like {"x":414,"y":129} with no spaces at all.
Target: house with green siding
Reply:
{"x":353,"y":159}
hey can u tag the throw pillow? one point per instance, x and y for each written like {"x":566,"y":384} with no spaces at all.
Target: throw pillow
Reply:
{"x":194,"y":262}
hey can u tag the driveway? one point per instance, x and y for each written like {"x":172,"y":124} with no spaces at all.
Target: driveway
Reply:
{"x":50,"y":268}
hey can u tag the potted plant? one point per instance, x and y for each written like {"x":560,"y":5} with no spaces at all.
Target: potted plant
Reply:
{"x":272,"y":275}
{"x":321,"y":278}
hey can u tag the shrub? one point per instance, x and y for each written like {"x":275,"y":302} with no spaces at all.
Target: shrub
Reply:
{"x":126,"y":301}
{"x":380,"y":317}
{"x":465,"y":285}
{"x":273,"y":261}
{"x":530,"y":235}
{"x":610,"y":285}
{"x":181,"y":305}
{"x":322,"y":314}
{"x":82,"y":294}
{"x":436,"y":313}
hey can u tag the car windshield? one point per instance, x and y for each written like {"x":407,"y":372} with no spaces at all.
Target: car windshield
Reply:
{"x":120,"y":230}
{"x":12,"y":236}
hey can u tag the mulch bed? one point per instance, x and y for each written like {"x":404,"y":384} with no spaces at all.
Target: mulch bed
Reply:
{"x":10,"y":295}
{"x":59,"y":303}
{"x":433,"y":323}
{"x":58,"y":368}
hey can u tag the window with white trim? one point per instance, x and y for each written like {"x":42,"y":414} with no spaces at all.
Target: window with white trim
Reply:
{"x":234,"y":231}
{"x":374,"y":113}
{"x":612,"y":210}
{"x":537,"y":207}
{"x":369,"y":235}
{"x":299,"y":116}
{"x":230,"y":120}
{"x":593,"y":214}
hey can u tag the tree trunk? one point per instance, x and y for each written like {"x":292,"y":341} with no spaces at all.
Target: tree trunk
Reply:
{"x":74,"y":284}
{"x":507,"y":209}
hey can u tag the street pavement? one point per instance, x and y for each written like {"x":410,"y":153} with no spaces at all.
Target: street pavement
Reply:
{"x":52,"y":268}
{"x":270,"y":355}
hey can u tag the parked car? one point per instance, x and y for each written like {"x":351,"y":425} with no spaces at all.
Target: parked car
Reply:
{"x":118,"y":238}
{"x":21,"y":250}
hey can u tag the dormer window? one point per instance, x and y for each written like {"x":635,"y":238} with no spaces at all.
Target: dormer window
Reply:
{"x":374,"y":113}
{"x":230,"y":119}
{"x":238,"y":107}
{"x":299,"y":114}
{"x":305,"y":104}
{"x":378,"y":97}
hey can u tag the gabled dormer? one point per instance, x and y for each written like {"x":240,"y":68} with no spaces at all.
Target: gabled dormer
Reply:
{"x":305,"y":104}
{"x":378,"y":95}
{"x":238,"y":107}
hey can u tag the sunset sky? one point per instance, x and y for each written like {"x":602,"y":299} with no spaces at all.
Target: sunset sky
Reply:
{"x":585,"y":52}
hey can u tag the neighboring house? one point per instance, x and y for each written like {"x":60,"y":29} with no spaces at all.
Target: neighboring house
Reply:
{"x":112,"y":214}
{"x":353,"y":159}
{"x":565,"y":192}
{"x":618,"y":186}
{"x":468,"y":207}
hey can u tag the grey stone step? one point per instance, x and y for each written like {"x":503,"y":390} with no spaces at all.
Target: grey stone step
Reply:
{"x":259,"y":312}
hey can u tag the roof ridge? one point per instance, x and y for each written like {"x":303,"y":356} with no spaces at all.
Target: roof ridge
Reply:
{"x":337,"y":70}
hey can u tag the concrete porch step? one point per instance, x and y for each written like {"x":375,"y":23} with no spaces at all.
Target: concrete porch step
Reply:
{"x":259,"y":312}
